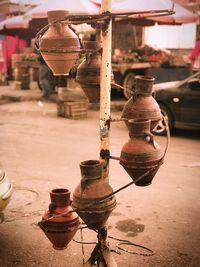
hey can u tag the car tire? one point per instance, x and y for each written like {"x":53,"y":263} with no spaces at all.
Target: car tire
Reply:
{"x":160,"y":129}
{"x":128,"y":84}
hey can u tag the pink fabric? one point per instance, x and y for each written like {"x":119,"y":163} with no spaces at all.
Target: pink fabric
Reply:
{"x":195,"y":51}
{"x":10,"y":46}
{"x":195,"y":56}
{"x":3,"y":58}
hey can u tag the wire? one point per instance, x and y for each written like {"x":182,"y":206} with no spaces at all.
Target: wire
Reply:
{"x":151,"y":253}
{"x":102,"y":18}
{"x":127,"y":242}
{"x":118,"y":245}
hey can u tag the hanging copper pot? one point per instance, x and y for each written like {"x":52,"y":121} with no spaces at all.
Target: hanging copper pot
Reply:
{"x":88,"y":72}
{"x":88,"y":196}
{"x":141,"y":155}
{"x":142,"y":104}
{"x":60,"y":222}
{"x":59,"y":46}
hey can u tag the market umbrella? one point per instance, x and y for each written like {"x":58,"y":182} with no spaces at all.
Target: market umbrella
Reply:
{"x":30,"y":23}
{"x":75,"y":7}
{"x":91,"y":7}
{"x":128,"y":6}
{"x":14,"y":22}
{"x":21,"y":26}
{"x":193,"y":5}
{"x":181,"y":15}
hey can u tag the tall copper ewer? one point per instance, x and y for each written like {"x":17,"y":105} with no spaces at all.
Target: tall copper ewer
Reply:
{"x":141,"y":155}
{"x":142,"y":104}
{"x":88,"y":72}
{"x":89,"y":197}
{"x":59,"y":46}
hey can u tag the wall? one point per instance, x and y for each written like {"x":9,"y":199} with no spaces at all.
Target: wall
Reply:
{"x":126,"y":36}
{"x":171,"y":37}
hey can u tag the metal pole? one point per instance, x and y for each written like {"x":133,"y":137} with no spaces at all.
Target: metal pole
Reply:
{"x":105,"y":86}
{"x":105,"y":98}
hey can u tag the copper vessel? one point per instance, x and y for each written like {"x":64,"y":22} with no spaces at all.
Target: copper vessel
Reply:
{"x":60,"y":222}
{"x":88,"y":196}
{"x":88,"y":72}
{"x":141,"y":155}
{"x":59,"y":46}
{"x":142,"y":104}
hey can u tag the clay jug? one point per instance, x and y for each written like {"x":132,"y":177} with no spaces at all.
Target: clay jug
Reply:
{"x":142,"y":104}
{"x":141,"y":153}
{"x":59,"y":46}
{"x":88,"y":72}
{"x":60,"y":222}
{"x":89,"y":192}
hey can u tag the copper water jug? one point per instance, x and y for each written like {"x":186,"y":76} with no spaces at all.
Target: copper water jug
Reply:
{"x":88,"y":72}
{"x":88,"y":196}
{"x":142,"y":104}
{"x":60,"y":222}
{"x":59,"y":46}
{"x":141,"y":155}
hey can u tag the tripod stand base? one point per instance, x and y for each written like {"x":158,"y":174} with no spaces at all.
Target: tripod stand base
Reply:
{"x":101,"y":254}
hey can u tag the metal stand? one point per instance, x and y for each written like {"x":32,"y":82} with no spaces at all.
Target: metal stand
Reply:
{"x":101,"y":254}
{"x":105,"y":93}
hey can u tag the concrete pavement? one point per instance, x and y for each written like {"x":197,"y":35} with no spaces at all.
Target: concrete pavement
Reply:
{"x":41,"y":151}
{"x":13,"y":93}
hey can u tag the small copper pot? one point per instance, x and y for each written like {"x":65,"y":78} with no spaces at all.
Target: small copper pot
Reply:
{"x":60,"y":222}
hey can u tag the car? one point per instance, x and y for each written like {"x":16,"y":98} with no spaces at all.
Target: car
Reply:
{"x":179,"y":102}
{"x":6,"y":189}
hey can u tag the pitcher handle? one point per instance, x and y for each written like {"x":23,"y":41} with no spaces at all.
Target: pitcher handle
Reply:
{"x":151,"y":138}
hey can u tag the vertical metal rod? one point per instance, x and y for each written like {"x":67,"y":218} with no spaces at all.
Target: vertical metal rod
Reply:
{"x":105,"y":86}
{"x":105,"y":99}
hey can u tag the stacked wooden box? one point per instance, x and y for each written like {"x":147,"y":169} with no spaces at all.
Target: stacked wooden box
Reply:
{"x":72,"y":109}
{"x":23,"y":65}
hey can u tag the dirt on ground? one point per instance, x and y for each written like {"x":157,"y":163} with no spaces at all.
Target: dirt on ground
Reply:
{"x":41,"y":151}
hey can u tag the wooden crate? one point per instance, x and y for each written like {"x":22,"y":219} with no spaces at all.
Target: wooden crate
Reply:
{"x":17,"y":85}
{"x":73,"y":110}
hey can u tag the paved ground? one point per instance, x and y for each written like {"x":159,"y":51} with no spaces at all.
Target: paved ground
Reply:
{"x":13,"y":93}
{"x":41,"y":151}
